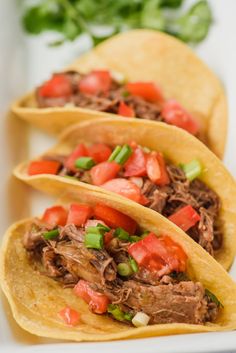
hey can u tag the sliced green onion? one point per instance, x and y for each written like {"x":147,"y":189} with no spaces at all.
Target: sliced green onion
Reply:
{"x":118,"y":314}
{"x":121,"y":234}
{"x":192,"y":169}
{"x":213,"y":298}
{"x":103,"y":228}
{"x":124,"y":269}
{"x":84,"y":163}
{"x":134,"y":238}
{"x":133,"y":265}
{"x":93,"y":230}
{"x":51,"y":234}
{"x":115,"y":152}
{"x":128,"y":316}
{"x":70,"y":177}
{"x":140,"y":319}
{"x":123,"y":155}
{"x":93,"y":240}
{"x":125,"y":94}
{"x":144,"y":234}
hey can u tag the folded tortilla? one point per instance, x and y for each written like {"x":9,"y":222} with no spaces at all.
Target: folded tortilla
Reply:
{"x":145,"y":55}
{"x":36,"y":299}
{"x":177,"y":146}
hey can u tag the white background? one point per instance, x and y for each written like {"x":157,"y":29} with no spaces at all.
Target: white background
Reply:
{"x":25,"y":62}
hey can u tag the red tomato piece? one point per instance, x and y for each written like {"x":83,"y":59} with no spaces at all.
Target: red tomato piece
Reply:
{"x":95,"y":82}
{"x":58,"y":86}
{"x":114,"y":218}
{"x":99,"y":152}
{"x":43,"y":167}
{"x":104,"y":171}
{"x":136,"y":164}
{"x":124,"y":188}
{"x":80,"y":151}
{"x":147,"y":90}
{"x":98,"y":302}
{"x":79,"y":214}
{"x":156,"y":169}
{"x":125,"y":110}
{"x":185,"y":218}
{"x":70,"y":316}
{"x":55,"y":216}
{"x":161,"y":254}
{"x":108,"y":237}
{"x":174,"y":114}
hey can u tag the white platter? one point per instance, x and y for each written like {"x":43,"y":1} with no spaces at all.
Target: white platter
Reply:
{"x":25,"y":62}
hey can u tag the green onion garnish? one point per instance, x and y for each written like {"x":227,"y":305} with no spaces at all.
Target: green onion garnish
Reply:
{"x":134,"y":238}
{"x":93,"y":240}
{"x":125,"y":94}
{"x":118,"y":314}
{"x":213,"y":298}
{"x":51,"y":234}
{"x":121,"y":234}
{"x":84,"y":163}
{"x":144,"y":234}
{"x":103,"y":228}
{"x":124,"y":269}
{"x":123,"y":155}
{"x":70,"y":177}
{"x":115,"y":152}
{"x":133,"y":264}
{"x":192,"y":169}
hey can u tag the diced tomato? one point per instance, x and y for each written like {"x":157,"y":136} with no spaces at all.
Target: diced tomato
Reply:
{"x":104,"y":171}
{"x":79,"y":214}
{"x":160,"y":254}
{"x":43,"y":167}
{"x":70,"y":316}
{"x":80,"y":151}
{"x":124,"y":188}
{"x":58,"y":86}
{"x":99,"y":152}
{"x":97,"y":302}
{"x":156,"y":169}
{"x":125,"y":110}
{"x":147,"y":90}
{"x":55,"y":216}
{"x":114,"y":218}
{"x":108,"y":237}
{"x":174,"y":114}
{"x":185,"y":218}
{"x":136,"y":164}
{"x":95,"y":82}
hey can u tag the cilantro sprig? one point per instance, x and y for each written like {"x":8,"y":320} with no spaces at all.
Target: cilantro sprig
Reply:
{"x":72,"y":18}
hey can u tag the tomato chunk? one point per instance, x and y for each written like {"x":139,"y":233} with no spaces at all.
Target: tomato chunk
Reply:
{"x":79,"y":151}
{"x":147,"y":90}
{"x":79,"y":214}
{"x":114,"y":218}
{"x":124,"y":188}
{"x":95,"y":82}
{"x":185,"y":218}
{"x":156,"y":169}
{"x":136,"y":164}
{"x":43,"y":167}
{"x":103,"y":172}
{"x":97,"y":302}
{"x":125,"y":110}
{"x":70,"y":316}
{"x":160,"y":254}
{"x":99,"y":152}
{"x":174,"y":114}
{"x":55,"y":216}
{"x":58,"y":86}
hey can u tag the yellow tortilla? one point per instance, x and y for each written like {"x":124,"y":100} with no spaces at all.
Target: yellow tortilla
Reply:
{"x":35,"y":299}
{"x":177,"y":145}
{"x":145,"y":55}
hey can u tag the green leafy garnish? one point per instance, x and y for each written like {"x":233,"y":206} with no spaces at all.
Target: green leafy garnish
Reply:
{"x":213,"y":298}
{"x":72,"y":18}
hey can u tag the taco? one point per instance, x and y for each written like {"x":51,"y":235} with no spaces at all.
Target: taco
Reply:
{"x":103,"y":269}
{"x":122,"y":76}
{"x":180,"y":178}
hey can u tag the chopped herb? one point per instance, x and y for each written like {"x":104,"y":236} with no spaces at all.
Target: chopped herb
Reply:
{"x":213,"y":298}
{"x":118,"y":314}
{"x":52,"y":234}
